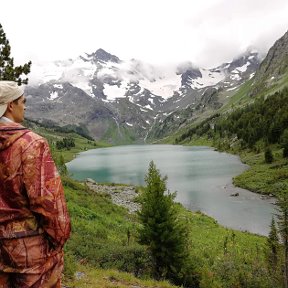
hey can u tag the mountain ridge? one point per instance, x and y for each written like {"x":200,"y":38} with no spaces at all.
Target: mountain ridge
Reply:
{"x":128,"y":98}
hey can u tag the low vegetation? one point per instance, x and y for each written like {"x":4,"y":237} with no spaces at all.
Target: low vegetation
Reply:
{"x":105,"y":241}
{"x":91,"y":277}
{"x":217,"y":257}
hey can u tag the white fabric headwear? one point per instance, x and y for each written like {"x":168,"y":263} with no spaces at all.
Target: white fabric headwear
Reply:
{"x":9,"y":91}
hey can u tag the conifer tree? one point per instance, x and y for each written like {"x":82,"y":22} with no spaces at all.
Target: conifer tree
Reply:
{"x":161,"y":229}
{"x":282,"y":205}
{"x":273,"y":248}
{"x":7,"y":69}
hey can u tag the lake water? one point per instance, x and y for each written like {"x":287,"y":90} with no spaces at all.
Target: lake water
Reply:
{"x":201,"y":177}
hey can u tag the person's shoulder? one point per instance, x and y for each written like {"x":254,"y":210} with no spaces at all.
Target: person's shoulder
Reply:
{"x":34,"y":136}
{"x":33,"y":142}
{"x":33,"y":139}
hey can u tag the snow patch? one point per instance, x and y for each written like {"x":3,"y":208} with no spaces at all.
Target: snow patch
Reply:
{"x":209,"y":78}
{"x":251,"y":75}
{"x":131,"y":99}
{"x":235,"y":77}
{"x":59,"y":86}
{"x":77,"y":72}
{"x":151,"y":101}
{"x":164,"y":87}
{"x":231,"y":89}
{"x":53,"y":96}
{"x":113,"y":91}
{"x":148,"y":107}
{"x":244,"y":67}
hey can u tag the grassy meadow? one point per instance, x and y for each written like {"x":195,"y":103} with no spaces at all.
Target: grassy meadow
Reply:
{"x":103,"y":250}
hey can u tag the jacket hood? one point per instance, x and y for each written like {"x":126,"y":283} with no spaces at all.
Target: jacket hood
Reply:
{"x":9,"y":133}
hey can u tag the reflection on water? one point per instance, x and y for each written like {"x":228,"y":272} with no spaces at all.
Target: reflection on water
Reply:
{"x":201,"y":176}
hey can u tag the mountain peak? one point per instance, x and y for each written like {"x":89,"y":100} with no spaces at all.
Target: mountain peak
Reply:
{"x":103,"y":56}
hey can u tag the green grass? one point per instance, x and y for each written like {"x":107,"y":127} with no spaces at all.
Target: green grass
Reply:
{"x":223,"y":262}
{"x":96,"y":220}
{"x":81,"y":143}
{"x":99,"y":241}
{"x":100,"y":278}
{"x":99,"y":245}
{"x":262,"y":177}
{"x":240,"y":97}
{"x":276,"y":86}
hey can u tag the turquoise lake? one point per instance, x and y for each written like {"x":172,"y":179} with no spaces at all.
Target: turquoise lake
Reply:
{"x":201,"y":177}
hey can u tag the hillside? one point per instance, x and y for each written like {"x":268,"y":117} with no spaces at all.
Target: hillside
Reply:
{"x":100,"y":241}
{"x":273,"y":68}
{"x":100,"y":247}
{"x":270,"y":77}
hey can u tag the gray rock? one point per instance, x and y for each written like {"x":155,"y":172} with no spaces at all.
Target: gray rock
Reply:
{"x":121,"y":195}
{"x":79,"y":275}
{"x":89,"y":180}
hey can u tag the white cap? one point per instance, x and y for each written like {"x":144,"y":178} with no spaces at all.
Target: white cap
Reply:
{"x":9,"y":91}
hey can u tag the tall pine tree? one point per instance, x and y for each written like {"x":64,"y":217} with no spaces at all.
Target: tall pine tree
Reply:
{"x":7,"y":69}
{"x":274,"y":256}
{"x":282,"y":205}
{"x":161,"y":229}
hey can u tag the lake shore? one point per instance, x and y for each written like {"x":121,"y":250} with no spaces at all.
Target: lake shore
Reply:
{"x":206,"y":187}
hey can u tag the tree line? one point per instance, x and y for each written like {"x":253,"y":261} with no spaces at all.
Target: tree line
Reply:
{"x":264,"y":120}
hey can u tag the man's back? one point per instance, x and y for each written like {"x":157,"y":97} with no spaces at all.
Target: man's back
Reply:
{"x":34,"y":222}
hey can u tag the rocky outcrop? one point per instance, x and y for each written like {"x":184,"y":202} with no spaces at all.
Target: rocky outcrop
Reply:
{"x":121,"y":195}
{"x":273,"y":67}
{"x":210,"y":97}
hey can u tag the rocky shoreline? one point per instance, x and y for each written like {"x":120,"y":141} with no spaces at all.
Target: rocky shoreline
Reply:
{"x":121,"y":195}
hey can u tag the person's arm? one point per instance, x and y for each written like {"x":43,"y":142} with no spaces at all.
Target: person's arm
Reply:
{"x":45,"y":192}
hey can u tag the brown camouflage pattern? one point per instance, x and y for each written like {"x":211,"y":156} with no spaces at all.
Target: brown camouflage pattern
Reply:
{"x":34,"y":222}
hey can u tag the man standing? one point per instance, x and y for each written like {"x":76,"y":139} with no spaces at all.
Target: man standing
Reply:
{"x":34,"y":222}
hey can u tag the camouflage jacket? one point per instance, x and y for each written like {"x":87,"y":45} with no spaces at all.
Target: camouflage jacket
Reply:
{"x":31,"y":193}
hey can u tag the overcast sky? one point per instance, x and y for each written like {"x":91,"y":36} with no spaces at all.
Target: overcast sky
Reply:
{"x":205,"y":32}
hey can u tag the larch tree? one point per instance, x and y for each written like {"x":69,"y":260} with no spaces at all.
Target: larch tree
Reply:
{"x":162,"y":230}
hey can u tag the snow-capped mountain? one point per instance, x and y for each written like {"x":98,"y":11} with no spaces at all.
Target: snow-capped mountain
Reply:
{"x":117,"y":99}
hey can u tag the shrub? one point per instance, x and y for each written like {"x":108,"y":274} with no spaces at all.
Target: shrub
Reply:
{"x":268,"y":155}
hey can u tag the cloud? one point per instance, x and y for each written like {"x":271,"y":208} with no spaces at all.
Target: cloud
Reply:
{"x":159,"y":32}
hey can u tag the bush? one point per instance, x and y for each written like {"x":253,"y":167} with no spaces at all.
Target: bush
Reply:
{"x":268,"y":156}
{"x":133,"y":259}
{"x":70,"y":266}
